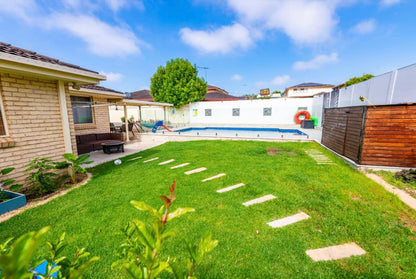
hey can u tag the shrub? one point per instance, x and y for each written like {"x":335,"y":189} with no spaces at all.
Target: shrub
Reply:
{"x":41,"y":177}
{"x":140,"y":252}
{"x":74,"y":164}
{"x":406,"y":176}
{"x":17,"y":259}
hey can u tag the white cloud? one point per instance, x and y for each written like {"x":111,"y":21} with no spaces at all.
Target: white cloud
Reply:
{"x":112,"y":77}
{"x":316,"y":62}
{"x":277,"y":81}
{"x":116,"y":5}
{"x":280,"y":80}
{"x":222,"y":40}
{"x":387,"y":3}
{"x":22,"y":9}
{"x":236,"y":77}
{"x":365,"y":27}
{"x":100,"y":37}
{"x":304,"y":21}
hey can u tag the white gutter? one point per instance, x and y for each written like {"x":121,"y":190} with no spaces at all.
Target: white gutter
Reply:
{"x":143,"y":103}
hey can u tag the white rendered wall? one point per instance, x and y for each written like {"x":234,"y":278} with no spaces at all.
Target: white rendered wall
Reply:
{"x":251,"y":112}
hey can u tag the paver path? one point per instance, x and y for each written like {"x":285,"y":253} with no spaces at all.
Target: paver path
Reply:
{"x":319,"y":157}
{"x":335,"y":252}
{"x":213,"y":177}
{"x":195,"y":171}
{"x":180,"y":166}
{"x":156,"y":158}
{"x":259,"y":200}
{"x":166,"y":162}
{"x":132,"y":159}
{"x":229,"y":188}
{"x":288,"y":220}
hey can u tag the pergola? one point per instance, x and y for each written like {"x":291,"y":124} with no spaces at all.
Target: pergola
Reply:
{"x":127,"y":102}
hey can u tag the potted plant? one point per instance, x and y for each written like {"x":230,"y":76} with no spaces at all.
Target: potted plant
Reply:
{"x":9,"y":200}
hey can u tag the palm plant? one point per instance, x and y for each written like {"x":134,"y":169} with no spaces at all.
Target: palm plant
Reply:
{"x":74,"y":164}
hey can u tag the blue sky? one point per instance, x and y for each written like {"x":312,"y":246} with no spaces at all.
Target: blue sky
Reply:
{"x":246,"y":45}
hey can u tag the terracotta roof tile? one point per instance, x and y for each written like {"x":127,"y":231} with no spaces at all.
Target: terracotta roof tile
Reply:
{"x":9,"y":49}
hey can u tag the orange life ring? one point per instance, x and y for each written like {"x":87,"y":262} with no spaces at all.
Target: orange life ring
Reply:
{"x":306,"y":114}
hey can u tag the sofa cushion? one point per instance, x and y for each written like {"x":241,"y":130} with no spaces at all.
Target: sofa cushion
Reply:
{"x":104,"y":136}
{"x":87,"y":138}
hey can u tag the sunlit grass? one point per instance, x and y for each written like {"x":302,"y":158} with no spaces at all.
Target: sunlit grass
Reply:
{"x":343,"y":204}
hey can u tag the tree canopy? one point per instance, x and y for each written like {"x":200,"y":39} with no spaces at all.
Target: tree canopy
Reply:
{"x":177,"y":83}
{"x":355,"y":80}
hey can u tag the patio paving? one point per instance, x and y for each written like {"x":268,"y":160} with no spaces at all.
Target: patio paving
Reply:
{"x":213,"y":177}
{"x":335,"y":252}
{"x":229,"y":188}
{"x":259,"y":200}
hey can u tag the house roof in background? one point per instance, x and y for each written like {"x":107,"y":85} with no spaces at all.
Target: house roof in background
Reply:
{"x":311,"y":84}
{"x":212,"y":88}
{"x":220,"y":96}
{"x":20,"y":52}
{"x":143,"y":95}
{"x":100,"y":88}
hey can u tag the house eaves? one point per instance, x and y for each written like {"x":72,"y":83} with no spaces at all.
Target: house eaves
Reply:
{"x":10,"y":63}
{"x":95,"y":92}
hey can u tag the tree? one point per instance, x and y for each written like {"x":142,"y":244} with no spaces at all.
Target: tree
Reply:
{"x":177,"y":83}
{"x":355,"y":80}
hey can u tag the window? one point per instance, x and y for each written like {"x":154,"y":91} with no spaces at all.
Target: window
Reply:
{"x":267,"y":111}
{"x":81,"y":109}
{"x":2,"y":128}
{"x":236,"y":112}
{"x":208,"y":112}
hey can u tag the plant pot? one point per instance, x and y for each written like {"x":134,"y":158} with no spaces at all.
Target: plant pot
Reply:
{"x":16,"y":200}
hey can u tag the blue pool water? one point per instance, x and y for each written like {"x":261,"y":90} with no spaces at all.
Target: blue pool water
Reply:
{"x":241,"y":132}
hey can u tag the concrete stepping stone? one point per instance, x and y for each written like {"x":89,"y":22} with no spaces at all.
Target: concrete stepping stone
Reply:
{"x":132,"y":159}
{"x":229,"y":188}
{"x":195,"y":171}
{"x":288,"y":220}
{"x":335,"y":252}
{"x":214,"y":177}
{"x":156,"y":158}
{"x":319,"y":157}
{"x":180,"y":166}
{"x":166,"y":162}
{"x":259,"y":200}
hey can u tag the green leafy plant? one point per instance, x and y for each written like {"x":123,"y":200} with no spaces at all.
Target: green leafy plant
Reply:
{"x":74,"y":164}
{"x":141,"y":251}
{"x":407,"y":176}
{"x":17,"y":259}
{"x":7,"y":182}
{"x":41,"y":177}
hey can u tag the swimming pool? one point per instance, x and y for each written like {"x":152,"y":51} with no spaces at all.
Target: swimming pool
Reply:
{"x":241,"y":132}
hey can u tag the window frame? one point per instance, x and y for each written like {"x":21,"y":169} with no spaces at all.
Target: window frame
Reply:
{"x":90,"y":99}
{"x":3,"y":119}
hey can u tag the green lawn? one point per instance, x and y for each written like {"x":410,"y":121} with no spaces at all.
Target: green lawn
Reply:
{"x":343,"y":204}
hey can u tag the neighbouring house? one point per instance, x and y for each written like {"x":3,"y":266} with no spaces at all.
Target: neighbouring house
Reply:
{"x":308,"y":89}
{"x":215,"y":93}
{"x":44,"y":104}
{"x":142,"y":95}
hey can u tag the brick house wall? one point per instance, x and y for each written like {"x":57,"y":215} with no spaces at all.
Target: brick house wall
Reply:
{"x":34,"y":122}
{"x":33,"y":117}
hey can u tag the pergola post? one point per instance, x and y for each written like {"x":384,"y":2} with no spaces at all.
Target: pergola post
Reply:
{"x":126,"y":123}
{"x":164,"y":115}
{"x":140,"y":114}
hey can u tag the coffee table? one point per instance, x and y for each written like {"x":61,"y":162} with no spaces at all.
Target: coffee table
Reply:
{"x":113,"y":146}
